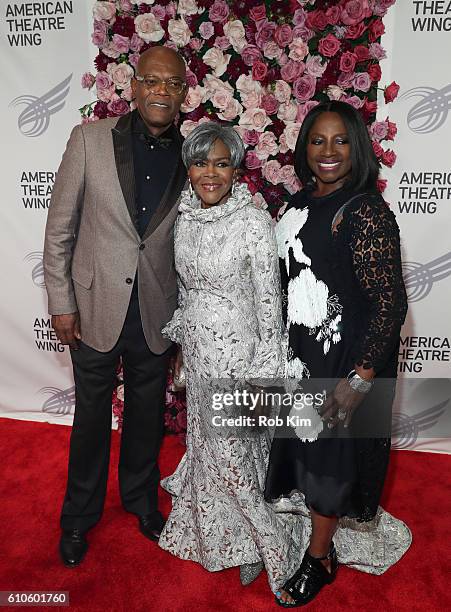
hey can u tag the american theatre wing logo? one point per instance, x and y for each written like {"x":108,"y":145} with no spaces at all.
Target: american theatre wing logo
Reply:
{"x":419,"y":278}
{"x":34,"y":120}
{"x":430,"y":112}
{"x":37,"y":272}
{"x":60,"y":402}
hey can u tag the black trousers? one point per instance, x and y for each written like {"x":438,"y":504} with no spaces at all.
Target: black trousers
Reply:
{"x":144,"y":399}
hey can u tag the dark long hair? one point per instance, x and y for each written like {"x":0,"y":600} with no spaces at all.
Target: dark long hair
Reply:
{"x":365,"y":167}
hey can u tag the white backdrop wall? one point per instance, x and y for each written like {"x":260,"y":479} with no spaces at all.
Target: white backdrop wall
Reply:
{"x":42,"y":64}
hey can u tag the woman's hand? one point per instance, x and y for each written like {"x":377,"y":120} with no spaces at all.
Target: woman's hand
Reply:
{"x":340,"y":404}
{"x":177,"y":370}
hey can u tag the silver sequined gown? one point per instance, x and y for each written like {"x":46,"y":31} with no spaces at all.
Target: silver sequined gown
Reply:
{"x":229,"y":326}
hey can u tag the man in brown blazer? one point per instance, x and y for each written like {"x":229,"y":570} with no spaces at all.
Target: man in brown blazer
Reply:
{"x":111,"y":284}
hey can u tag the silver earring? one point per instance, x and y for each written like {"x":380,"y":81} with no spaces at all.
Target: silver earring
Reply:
{"x":190,"y":190}
{"x":233,"y":192}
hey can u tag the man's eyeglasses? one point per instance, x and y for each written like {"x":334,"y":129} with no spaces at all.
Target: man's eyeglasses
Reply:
{"x":174,"y":86}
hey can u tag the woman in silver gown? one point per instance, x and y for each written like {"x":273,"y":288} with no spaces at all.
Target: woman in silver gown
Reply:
{"x":229,"y":326}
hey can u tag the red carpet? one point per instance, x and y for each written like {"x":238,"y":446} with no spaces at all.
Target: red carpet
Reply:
{"x":123,"y":571}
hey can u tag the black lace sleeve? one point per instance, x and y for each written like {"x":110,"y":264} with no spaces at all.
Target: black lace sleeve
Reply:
{"x":376,"y":258}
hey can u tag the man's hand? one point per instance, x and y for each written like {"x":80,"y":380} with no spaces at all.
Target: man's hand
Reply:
{"x":67,"y":329}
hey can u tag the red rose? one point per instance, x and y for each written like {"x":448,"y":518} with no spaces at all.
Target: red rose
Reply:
{"x":390,"y":92}
{"x":258,"y":12}
{"x":333,"y":15}
{"x":362,"y":53}
{"x":370,"y":107}
{"x":392,"y":130}
{"x":329,"y":45}
{"x":283,"y":35}
{"x":259,"y":70}
{"x":375,"y":30}
{"x":375,"y":72}
{"x":388,"y":158}
{"x":381,"y":185}
{"x":348,"y":61}
{"x":317,"y":20}
{"x":355,"y":31}
{"x":379,"y":151}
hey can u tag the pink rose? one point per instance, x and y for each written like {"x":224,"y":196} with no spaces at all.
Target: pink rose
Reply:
{"x":222,"y":42}
{"x":104,"y":11}
{"x":188,"y":7}
{"x":271,"y":171}
{"x":348,"y":61}
{"x":303,"y":32}
{"x":234,"y":30}
{"x":354,"y":101}
{"x":271,"y":50}
{"x":294,"y":185}
{"x":298,"y":50}
{"x":292,"y":71}
{"x":355,"y":11}
{"x":133,"y":60}
{"x":377,"y":52}
{"x":246,"y":84}
{"x":216,"y":59}
{"x":270,"y":104}
{"x":188,"y":126}
{"x":255,"y":119}
{"x":136,"y":43}
{"x":206,"y":30}
{"x":191,"y":78}
{"x":221,"y":98}
{"x":378,"y":130}
{"x":259,"y":71}
{"x":196,"y":44}
{"x":121,"y":74}
{"x":286,"y":174}
{"x":304,"y":88}
{"x":299,"y":17}
{"x":333,"y":15}
{"x":100,"y":35}
{"x":252,"y":99}
{"x":282,"y":91}
{"x":329,"y":45}
{"x":87,"y":80}
{"x":381,"y":7}
{"x":127,"y":94}
{"x":125,"y":5}
{"x":231,"y":111}
{"x":287,"y":112}
{"x":219,"y":11}
{"x":265,"y":31}
{"x":252,"y":161}
{"x":289,"y":137}
{"x":346,"y":80}
{"x":283,"y":35}
{"x":266,"y":146}
{"x":118,"y":107}
{"x":159,"y":12}
{"x":148,"y":27}
{"x":303,"y":109}
{"x":104,"y":86}
{"x":121,"y":43}
{"x":193,"y":99}
{"x":250,"y":54}
{"x":314,"y":67}
{"x":362,"y":81}
{"x":250,"y":137}
{"x":171,"y":10}
{"x":258,"y":12}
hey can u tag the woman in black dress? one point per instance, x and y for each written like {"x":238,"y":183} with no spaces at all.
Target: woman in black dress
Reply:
{"x":345,"y":304}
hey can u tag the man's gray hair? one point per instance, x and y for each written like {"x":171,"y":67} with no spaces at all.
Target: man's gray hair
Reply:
{"x":198,"y":144}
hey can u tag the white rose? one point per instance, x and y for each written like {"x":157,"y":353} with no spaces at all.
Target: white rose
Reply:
{"x":216,"y":59}
{"x":251,"y":100}
{"x":271,"y":50}
{"x":148,"y":27}
{"x":266,"y":146}
{"x":104,"y":11}
{"x":221,"y":99}
{"x":213,"y":84}
{"x":282,"y":92}
{"x":188,"y":7}
{"x":287,"y":112}
{"x":120,"y":74}
{"x":234,"y":31}
{"x":334,"y":92}
{"x":179,"y":32}
{"x":232,"y":110}
{"x":193,"y":99}
{"x":188,"y":126}
{"x":246,"y":84}
{"x":255,"y":119}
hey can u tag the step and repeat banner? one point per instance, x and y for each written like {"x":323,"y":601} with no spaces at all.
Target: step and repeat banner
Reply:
{"x":46,"y":47}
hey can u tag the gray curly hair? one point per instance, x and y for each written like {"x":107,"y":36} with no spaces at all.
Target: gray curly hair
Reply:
{"x":198,"y":144}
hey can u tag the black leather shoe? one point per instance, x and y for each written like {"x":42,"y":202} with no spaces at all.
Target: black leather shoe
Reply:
{"x":310,"y":578}
{"x":73,"y":547}
{"x":151,"y":525}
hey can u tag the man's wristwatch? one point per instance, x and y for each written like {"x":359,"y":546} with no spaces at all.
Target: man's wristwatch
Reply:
{"x":358,"y":383}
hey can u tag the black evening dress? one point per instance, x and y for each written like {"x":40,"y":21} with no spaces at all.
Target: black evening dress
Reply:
{"x":345,"y":303}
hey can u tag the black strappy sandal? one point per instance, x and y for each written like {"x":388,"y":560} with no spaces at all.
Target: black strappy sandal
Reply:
{"x":309,"y":579}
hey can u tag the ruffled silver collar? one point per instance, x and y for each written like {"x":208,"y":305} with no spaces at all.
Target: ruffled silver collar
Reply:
{"x":190,"y":207}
